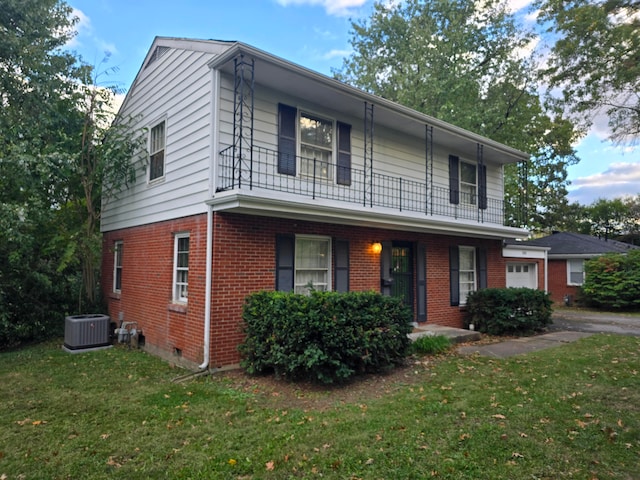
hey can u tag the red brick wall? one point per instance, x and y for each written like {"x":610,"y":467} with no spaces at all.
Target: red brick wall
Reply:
{"x":244,"y":262}
{"x":558,"y":287}
{"x":175,"y":331}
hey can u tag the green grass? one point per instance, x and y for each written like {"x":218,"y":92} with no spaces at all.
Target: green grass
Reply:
{"x":431,"y":345}
{"x":567,"y":412}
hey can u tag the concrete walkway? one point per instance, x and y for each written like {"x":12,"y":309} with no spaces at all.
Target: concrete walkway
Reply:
{"x":568,"y":326}
{"x":517,"y":346}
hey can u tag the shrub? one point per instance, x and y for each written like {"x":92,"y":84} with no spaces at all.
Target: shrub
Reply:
{"x":500,"y":311}
{"x":612,"y":281}
{"x":326,"y":337}
{"x":431,"y":344}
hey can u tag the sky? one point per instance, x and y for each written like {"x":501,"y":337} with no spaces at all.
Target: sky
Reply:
{"x":311,"y":33}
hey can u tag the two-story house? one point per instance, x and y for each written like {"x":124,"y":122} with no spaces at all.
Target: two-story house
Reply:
{"x":263,"y":175}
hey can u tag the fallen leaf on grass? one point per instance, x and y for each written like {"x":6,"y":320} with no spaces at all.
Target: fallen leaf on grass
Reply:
{"x":270,"y":465}
{"x":499,"y":416}
{"x":517,"y":455}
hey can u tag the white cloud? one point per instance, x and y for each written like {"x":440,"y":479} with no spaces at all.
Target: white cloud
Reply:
{"x":338,"y":8}
{"x":336,"y":53}
{"x":618,"y":180}
{"x":514,"y":6}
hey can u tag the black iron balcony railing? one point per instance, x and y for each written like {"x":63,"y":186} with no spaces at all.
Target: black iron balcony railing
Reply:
{"x":258,"y":169}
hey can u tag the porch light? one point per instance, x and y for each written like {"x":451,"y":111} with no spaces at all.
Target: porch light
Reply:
{"x":376,"y":247}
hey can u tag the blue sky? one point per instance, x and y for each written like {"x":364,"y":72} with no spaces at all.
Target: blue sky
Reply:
{"x":312,"y":33}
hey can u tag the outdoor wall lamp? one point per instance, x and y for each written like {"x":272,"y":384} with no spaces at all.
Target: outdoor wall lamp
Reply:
{"x":376,"y":247}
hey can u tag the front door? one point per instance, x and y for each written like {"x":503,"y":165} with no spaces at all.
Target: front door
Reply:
{"x":402,"y":272}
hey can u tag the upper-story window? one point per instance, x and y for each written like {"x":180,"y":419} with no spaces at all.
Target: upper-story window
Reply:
{"x":156,"y":151}
{"x":315,"y":146}
{"x":468,"y":183}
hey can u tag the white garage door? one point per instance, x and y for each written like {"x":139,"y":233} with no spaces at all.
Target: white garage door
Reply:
{"x":522,"y":275}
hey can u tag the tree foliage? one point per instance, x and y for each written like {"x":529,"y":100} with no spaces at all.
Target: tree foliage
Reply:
{"x":613,"y":281}
{"x":461,"y":61}
{"x":56,"y":149}
{"x":595,"y":60}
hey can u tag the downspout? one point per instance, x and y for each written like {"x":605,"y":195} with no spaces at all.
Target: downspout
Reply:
{"x":215,"y":93}
{"x":546,"y":270}
{"x":207,"y":293}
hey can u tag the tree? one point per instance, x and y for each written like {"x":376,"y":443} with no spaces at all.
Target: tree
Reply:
{"x":595,"y":60}
{"x":57,"y":150}
{"x":459,"y":61}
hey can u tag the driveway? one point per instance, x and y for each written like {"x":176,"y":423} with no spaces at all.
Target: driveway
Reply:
{"x":595,"y":322}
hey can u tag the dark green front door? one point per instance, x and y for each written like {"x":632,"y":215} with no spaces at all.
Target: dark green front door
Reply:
{"x":402,"y":273}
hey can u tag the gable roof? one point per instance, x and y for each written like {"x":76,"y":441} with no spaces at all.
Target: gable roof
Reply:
{"x":578,"y":245}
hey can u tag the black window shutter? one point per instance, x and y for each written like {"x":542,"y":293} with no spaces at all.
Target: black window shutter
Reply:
{"x":421,"y":282}
{"x":386,"y":277}
{"x":454,"y":275}
{"x":481,"y":260}
{"x":454,"y":180}
{"x":341,"y":268}
{"x":285,"y":258}
{"x":344,"y":154}
{"x":482,"y":187}
{"x":286,"y":139}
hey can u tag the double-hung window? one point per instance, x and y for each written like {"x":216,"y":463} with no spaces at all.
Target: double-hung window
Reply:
{"x":312,"y":264}
{"x":317,"y":148}
{"x":181,"y":268}
{"x":467,"y":278}
{"x":303,"y":263}
{"x":156,"y":151}
{"x":575,"y":271}
{"x":467,"y":272}
{"x":117,"y":266}
{"x":468,"y":183}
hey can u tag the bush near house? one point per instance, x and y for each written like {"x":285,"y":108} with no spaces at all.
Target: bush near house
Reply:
{"x":326,"y":336}
{"x":612,"y":281}
{"x":504,"y":311}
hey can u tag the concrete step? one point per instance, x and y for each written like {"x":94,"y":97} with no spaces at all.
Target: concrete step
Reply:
{"x":456,"y":335}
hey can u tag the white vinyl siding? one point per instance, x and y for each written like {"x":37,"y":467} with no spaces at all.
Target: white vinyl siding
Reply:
{"x":181,"y":95}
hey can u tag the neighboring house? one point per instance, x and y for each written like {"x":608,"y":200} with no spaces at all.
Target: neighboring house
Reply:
{"x":566,"y":255}
{"x":264,"y":175}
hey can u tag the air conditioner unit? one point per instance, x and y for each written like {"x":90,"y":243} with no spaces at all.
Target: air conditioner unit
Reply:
{"x":82,"y":332}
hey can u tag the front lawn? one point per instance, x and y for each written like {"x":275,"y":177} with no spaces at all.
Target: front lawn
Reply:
{"x":567,"y":412}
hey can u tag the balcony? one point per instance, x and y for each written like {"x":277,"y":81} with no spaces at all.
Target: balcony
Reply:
{"x":258,"y":169}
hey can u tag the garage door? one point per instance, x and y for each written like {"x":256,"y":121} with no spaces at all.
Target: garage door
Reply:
{"x":522,"y":275}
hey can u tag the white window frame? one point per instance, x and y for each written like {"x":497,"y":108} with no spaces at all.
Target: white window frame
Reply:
{"x":157,"y":149}
{"x":299,"y":283}
{"x":118,"y":247}
{"x":322,"y":173}
{"x":468,"y":191}
{"x":474,"y":271}
{"x":570,"y":270}
{"x":180,"y":286}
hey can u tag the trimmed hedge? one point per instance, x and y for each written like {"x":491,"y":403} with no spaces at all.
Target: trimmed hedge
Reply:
{"x":505,"y":311}
{"x":326,"y":336}
{"x":612,"y":281}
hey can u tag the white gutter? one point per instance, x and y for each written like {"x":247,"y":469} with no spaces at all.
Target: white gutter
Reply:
{"x":213,"y":155}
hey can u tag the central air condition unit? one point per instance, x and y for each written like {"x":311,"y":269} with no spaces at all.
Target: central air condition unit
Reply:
{"x":83,"y":332}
